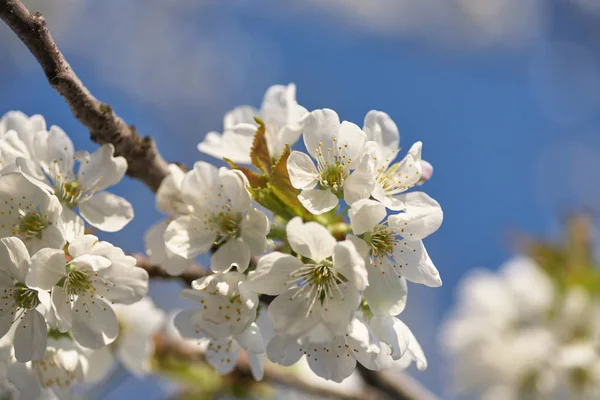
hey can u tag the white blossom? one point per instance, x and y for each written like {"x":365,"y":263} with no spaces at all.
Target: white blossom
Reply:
{"x":63,"y":365}
{"x":283,"y":118}
{"x":17,"y":137}
{"x":333,"y":360}
{"x":394,"y":248}
{"x":21,"y":305}
{"x":84,"y":189}
{"x":49,"y":156}
{"x":30,"y":213}
{"x":336,"y":148}
{"x":84,"y":284}
{"x":224,"y":322}
{"x":382,"y":147}
{"x":134,"y":347}
{"x":399,"y":346}
{"x":221,"y":216}
{"x":514,"y":334}
{"x":223,"y":353}
{"x":227,"y":306}
{"x":168,"y":200}
{"x":320,"y":294}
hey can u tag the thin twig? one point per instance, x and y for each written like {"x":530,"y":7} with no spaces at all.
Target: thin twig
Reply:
{"x":399,"y":386}
{"x":189,"y":275}
{"x":169,"y":347}
{"x":145,"y":163}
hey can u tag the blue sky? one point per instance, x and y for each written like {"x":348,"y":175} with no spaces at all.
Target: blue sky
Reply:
{"x":512,"y":131}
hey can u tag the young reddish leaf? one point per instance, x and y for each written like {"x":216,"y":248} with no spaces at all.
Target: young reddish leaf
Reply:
{"x":259,"y":153}
{"x":255,"y":179}
{"x":279,"y":182}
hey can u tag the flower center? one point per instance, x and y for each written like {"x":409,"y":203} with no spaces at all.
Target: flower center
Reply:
{"x":69,"y":193}
{"x":382,"y":241}
{"x":227,"y":226}
{"x":78,"y":281}
{"x":30,"y":225}
{"x":317,"y":281}
{"x":396,"y":178}
{"x":24,"y":297}
{"x":333,"y":166}
{"x":332,"y":177}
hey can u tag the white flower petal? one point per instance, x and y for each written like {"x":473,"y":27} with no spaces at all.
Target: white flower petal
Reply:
{"x":14,"y":258}
{"x":381,"y":129}
{"x":257,"y":362}
{"x":222,"y":354}
{"x":361,"y":182}
{"x":302,"y":170}
{"x":106,"y":211}
{"x":31,"y":337}
{"x":291,"y":316}
{"x":239,"y":115}
{"x":338,"y":310}
{"x":126,"y":284}
{"x":102,"y":169}
{"x":348,"y":262}
{"x":234,"y":253}
{"x":234,"y":186}
{"x":61,"y":305}
{"x":311,"y":239}
{"x":48,"y":267}
{"x":318,"y":201}
{"x":82,"y":245}
{"x":55,"y":152}
{"x":363,"y":342}
{"x":422,"y":216}
{"x":415,"y":265}
{"x":254,"y":229}
{"x":168,"y":195}
{"x":414,"y":351}
{"x":272,"y":274}
{"x":186,"y":236}
{"x":235,"y":143}
{"x":95,"y":324}
{"x":339,"y":368}
{"x":284,"y":350}
{"x":351,"y":138}
{"x":90,"y":261}
{"x":135,"y":352}
{"x":320,"y":126}
{"x":251,"y":339}
{"x":159,"y":254}
{"x":365,"y":214}
{"x":387,"y":291}
{"x":72,"y":224}
{"x":393,"y":332}
{"x":100,"y":363}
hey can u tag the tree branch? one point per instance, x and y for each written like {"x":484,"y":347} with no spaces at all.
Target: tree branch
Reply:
{"x":158,"y":271}
{"x":273,"y":373}
{"x":399,"y":386}
{"x":144,"y":161}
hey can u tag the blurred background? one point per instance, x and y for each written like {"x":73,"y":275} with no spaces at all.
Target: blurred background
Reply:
{"x":504,"y":94}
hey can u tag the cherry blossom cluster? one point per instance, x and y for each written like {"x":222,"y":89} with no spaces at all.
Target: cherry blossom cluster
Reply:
{"x":65,"y":296}
{"x":519,"y":334}
{"x":327,"y":235}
